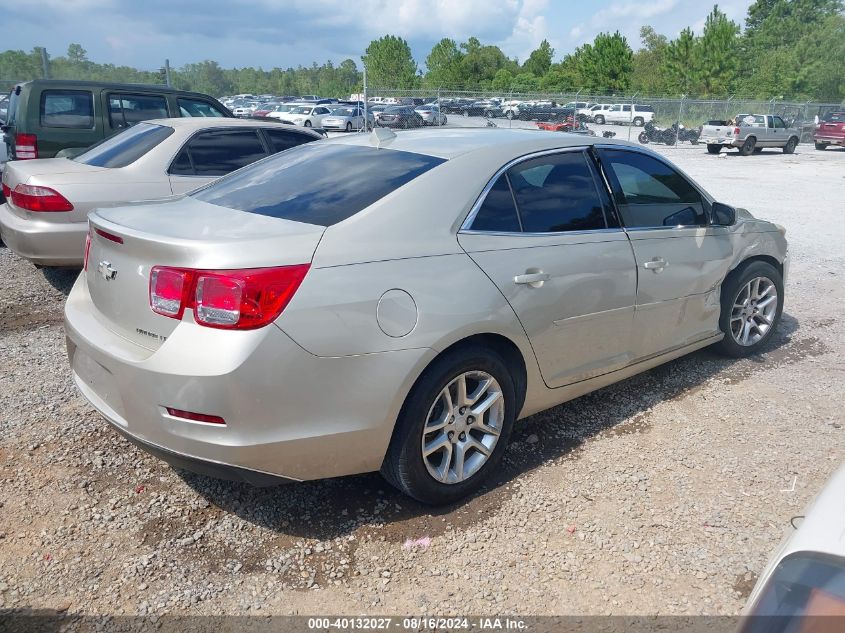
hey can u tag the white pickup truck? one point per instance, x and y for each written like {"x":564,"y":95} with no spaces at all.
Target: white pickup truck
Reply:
{"x":750,"y":133}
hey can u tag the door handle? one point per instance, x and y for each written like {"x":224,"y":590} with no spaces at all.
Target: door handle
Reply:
{"x":535,"y":280}
{"x":657,"y":264}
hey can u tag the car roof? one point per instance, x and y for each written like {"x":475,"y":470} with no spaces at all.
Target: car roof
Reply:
{"x":199,"y":122}
{"x":451,"y":142}
{"x":823,"y":527}
{"x":78,"y":83}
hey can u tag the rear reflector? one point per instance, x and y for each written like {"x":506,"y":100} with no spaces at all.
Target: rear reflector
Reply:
{"x":26,"y":146}
{"x":736,"y":131}
{"x":195,"y":417}
{"x":112,"y":238}
{"x":228,"y":299}
{"x":34,"y":198}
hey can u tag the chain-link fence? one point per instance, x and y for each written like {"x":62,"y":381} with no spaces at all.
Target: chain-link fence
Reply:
{"x":673,"y":121}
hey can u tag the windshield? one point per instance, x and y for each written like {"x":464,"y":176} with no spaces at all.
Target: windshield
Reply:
{"x":343,"y":112}
{"x":126,"y":147}
{"x":302,"y":110}
{"x":301,"y":184}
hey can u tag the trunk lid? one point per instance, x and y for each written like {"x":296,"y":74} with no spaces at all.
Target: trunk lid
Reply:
{"x":183,"y":233}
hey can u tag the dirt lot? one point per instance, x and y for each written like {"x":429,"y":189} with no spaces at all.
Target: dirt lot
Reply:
{"x":663,"y":494}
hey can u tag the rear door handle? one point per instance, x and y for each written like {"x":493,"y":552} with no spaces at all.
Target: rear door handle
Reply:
{"x":535,"y":280}
{"x":657,"y":264}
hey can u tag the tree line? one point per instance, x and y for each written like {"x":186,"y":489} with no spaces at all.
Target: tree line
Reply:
{"x":788,"y":48}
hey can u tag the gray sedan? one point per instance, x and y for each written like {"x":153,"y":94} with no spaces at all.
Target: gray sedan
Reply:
{"x":301,"y":319}
{"x":347,"y":118}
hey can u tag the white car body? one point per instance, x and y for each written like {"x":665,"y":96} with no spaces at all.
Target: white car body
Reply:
{"x":819,"y":540}
{"x":280,"y":111}
{"x":306,"y":115}
{"x":627,"y":113}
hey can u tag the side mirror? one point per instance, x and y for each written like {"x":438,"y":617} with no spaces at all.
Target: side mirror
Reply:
{"x":723,"y":214}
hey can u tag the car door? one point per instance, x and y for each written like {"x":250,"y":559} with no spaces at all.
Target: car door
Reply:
{"x":213,"y":153}
{"x":779,"y":131}
{"x":681,"y":259}
{"x":544,"y":232}
{"x":614,"y":114}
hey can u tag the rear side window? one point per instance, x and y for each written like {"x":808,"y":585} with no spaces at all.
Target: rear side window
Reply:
{"x":557,"y":193}
{"x":280,"y":140}
{"x":195,"y":107}
{"x":126,"y":110}
{"x":302,"y":184}
{"x":67,"y":109}
{"x":126,"y":147}
{"x":498,"y":211}
{"x":218,"y":152}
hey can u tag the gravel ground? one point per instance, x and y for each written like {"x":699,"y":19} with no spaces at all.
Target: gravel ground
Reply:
{"x":664,"y":494}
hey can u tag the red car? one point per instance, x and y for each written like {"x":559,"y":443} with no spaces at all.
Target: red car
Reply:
{"x":830,"y":131}
{"x":565,"y":126}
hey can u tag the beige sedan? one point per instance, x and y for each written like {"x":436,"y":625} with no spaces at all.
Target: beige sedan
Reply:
{"x":45,"y":215}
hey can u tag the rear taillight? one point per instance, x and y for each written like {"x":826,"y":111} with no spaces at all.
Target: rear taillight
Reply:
{"x":87,"y":250}
{"x":26,"y":146}
{"x":736,"y":131}
{"x":35,"y":198}
{"x":227,"y":299}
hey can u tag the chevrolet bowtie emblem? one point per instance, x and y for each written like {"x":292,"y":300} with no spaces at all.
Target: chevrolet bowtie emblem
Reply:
{"x":107,"y":271}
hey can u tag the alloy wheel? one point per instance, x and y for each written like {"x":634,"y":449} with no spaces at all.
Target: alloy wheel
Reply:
{"x":754,"y":310}
{"x":462,"y":427}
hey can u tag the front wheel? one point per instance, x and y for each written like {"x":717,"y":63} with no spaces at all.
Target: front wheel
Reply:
{"x":348,"y":126}
{"x":789,"y":148}
{"x":307,"y":123}
{"x":453,"y":428}
{"x":713,"y":149}
{"x":643,"y":138}
{"x":752,"y":304}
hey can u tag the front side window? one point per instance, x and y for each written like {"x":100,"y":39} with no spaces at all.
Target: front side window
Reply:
{"x":302,"y":184}
{"x":67,"y":109}
{"x":195,"y":107}
{"x":124,"y":148}
{"x":779,"y":122}
{"x":649,"y":193}
{"x":126,"y":110}
{"x":219,"y":152}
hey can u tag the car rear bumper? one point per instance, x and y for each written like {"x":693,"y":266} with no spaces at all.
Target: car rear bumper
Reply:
{"x":830,"y":140}
{"x":288,"y":414}
{"x":43,"y":243}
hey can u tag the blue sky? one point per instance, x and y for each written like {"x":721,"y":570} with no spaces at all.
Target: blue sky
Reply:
{"x":287,"y":33}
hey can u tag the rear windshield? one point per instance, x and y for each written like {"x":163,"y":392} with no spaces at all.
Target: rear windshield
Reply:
{"x":126,"y":147}
{"x":835,"y":117}
{"x":317,"y":183}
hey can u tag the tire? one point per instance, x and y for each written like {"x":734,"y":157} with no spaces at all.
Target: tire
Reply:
{"x":748,"y":147}
{"x":790,"y":146}
{"x":734,"y":294}
{"x":404,"y":464}
{"x":713,"y":149}
{"x":307,"y":123}
{"x":466,"y":113}
{"x":348,"y":126}
{"x":599,"y":119}
{"x":510,"y":115}
{"x":643,"y":138}
{"x":694,"y":139}
{"x":821,"y":146}
{"x":639,"y":122}
{"x":444,"y":120}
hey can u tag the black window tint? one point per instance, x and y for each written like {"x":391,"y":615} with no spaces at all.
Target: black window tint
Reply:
{"x":556,"y":193}
{"x":280,"y":140}
{"x":194,"y":107}
{"x":498,"y":211}
{"x":181,"y":165}
{"x":649,"y":193}
{"x":126,"y":110}
{"x":67,"y":108}
{"x":124,"y":148}
{"x":302,"y":183}
{"x":779,"y":122}
{"x":219,"y":152}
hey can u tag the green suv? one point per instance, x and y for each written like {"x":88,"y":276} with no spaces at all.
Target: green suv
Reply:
{"x":48,"y":116}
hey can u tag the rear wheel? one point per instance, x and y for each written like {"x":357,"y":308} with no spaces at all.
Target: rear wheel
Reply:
{"x":821,"y":145}
{"x":752,"y":304}
{"x":453,"y":428}
{"x":599,"y":119}
{"x":639,"y":122}
{"x":748,"y":147}
{"x":789,"y":148}
{"x":713,"y":149}
{"x":643,"y":138}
